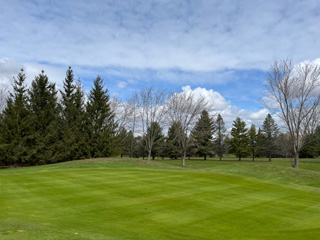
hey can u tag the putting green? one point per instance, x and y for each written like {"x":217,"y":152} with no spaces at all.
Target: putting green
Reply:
{"x":129,"y":199}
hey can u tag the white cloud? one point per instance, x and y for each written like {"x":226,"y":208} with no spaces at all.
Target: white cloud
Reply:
{"x":261,"y":114}
{"x":228,"y":111}
{"x":214,"y":98}
{"x":188,"y":35}
{"x":55,"y":74}
{"x":9,"y":67}
{"x":121,"y":84}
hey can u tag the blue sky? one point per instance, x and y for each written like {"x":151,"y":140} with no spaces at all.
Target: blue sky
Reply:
{"x":223,"y":48}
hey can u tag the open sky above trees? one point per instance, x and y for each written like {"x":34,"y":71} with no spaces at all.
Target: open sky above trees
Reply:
{"x":221,"y":49}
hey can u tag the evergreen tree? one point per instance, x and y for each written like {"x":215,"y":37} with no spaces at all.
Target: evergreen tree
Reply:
{"x":202,"y":135}
{"x":100,"y":122}
{"x":45,"y":116}
{"x":140,"y":148}
{"x":239,"y":140}
{"x":271,"y":133}
{"x":72,"y":117}
{"x":252,"y":135}
{"x":312,"y":145}
{"x":227,"y":144}
{"x":155,"y":132}
{"x":161,"y":147}
{"x":68,"y":98}
{"x":128,"y":142}
{"x":82,"y":149}
{"x":173,"y":145}
{"x":260,"y":143}
{"x":285,"y":141}
{"x":15,"y":125}
{"x":219,"y":142}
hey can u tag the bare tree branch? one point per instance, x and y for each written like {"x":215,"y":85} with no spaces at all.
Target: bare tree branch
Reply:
{"x":293,"y":94}
{"x":150,"y":108}
{"x":184,"y":108}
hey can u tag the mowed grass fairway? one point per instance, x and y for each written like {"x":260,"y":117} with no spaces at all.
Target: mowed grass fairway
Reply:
{"x":134,"y":199}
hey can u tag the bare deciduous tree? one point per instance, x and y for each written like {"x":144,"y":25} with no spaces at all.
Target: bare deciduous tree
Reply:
{"x":184,"y":108}
{"x":132,"y":119}
{"x":150,"y":104}
{"x":3,"y":95}
{"x":293,"y":94}
{"x":123,"y":112}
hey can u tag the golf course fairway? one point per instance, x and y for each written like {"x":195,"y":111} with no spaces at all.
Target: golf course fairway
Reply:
{"x":135,"y":199}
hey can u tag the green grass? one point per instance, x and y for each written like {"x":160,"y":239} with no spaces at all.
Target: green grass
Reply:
{"x":135,"y":199}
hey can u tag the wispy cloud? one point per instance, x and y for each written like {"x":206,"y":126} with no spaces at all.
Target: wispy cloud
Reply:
{"x":188,"y":35}
{"x":222,"y":45}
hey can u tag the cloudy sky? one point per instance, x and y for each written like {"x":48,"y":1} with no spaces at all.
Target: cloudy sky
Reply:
{"x":221,"y":49}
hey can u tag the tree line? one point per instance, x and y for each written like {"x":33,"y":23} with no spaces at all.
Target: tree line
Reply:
{"x":41,"y":125}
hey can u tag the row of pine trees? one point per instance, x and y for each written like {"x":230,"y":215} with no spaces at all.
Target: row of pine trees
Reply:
{"x":36,"y":128}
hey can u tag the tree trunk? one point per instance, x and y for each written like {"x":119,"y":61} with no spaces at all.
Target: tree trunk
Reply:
{"x":149,"y":155}
{"x":184,"y":159}
{"x":296,"y":160}
{"x":205,"y":157}
{"x":220,"y":157}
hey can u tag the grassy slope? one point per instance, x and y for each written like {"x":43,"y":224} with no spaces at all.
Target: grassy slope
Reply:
{"x":113,"y":199}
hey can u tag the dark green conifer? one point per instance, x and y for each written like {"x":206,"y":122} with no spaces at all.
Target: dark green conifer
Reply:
{"x":72,"y":120}
{"x":271,"y":133}
{"x":15,"y":125}
{"x":172,"y":144}
{"x":154,"y":133}
{"x":219,"y":142}
{"x":202,"y":135}
{"x":252,"y":135}
{"x":45,"y":120}
{"x":100,"y":122}
{"x":239,"y":140}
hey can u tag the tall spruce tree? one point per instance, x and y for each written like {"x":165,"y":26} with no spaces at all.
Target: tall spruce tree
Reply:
{"x":219,"y":143}
{"x":72,"y":114}
{"x":15,"y":125}
{"x":68,"y":98}
{"x":271,"y":133}
{"x":239,"y":140}
{"x":81,"y":151}
{"x":45,"y":116}
{"x":100,"y":119}
{"x":202,"y":135}
{"x":252,"y":135}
